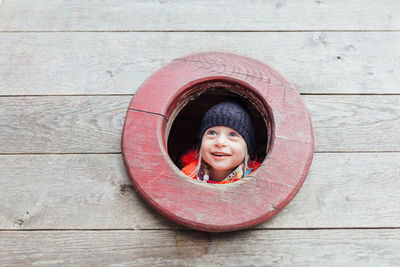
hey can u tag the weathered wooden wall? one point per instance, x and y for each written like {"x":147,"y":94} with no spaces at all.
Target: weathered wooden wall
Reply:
{"x":68,"y":70}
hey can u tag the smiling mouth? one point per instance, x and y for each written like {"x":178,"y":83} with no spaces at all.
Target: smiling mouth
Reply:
{"x":220,"y":154}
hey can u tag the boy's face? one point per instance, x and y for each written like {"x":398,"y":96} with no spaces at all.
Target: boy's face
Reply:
{"x":223,"y":149}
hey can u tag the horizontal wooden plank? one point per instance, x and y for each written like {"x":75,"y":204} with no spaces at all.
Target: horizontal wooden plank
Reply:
{"x":187,"y":248}
{"x":94,"y":192}
{"x":89,"y":15}
{"x":62,"y":124}
{"x":355,"y":123}
{"x":71,"y":191}
{"x":93,"y":124}
{"x":67,"y":63}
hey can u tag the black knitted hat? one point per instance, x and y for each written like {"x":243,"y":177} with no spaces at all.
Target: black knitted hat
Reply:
{"x":233,"y":115}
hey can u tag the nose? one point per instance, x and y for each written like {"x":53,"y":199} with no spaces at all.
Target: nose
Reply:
{"x":220,"y":141}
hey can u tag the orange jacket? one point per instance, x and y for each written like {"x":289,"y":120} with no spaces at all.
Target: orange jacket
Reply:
{"x":190,"y":161}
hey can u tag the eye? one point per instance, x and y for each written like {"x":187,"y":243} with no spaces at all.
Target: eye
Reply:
{"x":233,"y":134}
{"x":211,"y":132}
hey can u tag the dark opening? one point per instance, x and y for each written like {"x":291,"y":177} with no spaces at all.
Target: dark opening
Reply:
{"x":186,"y":119}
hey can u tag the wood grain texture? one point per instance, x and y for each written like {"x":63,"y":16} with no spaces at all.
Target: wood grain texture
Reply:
{"x":62,"y":124}
{"x":89,"y":15}
{"x":355,"y":123}
{"x":79,"y":124}
{"x":81,"y":191}
{"x":67,"y":63}
{"x":71,"y":191}
{"x":342,"y":190}
{"x":187,"y":248}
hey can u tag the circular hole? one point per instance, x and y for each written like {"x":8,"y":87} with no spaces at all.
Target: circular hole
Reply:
{"x":188,"y":109}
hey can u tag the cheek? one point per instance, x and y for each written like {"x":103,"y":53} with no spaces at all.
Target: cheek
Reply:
{"x":241,"y":151}
{"x":240,"y":157}
{"x":204,"y":145}
{"x":204,"y":150}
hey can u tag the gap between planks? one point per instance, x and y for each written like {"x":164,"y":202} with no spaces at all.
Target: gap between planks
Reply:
{"x":193,"y":230}
{"x":189,"y":31}
{"x":61,"y":153}
{"x":95,"y":95}
{"x":60,"y":95}
{"x":120,"y":153}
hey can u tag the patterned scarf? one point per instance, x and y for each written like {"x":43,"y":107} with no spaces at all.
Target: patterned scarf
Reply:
{"x":236,"y":175}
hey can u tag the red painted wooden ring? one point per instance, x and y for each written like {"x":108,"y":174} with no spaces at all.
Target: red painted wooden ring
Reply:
{"x":210,"y":207}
